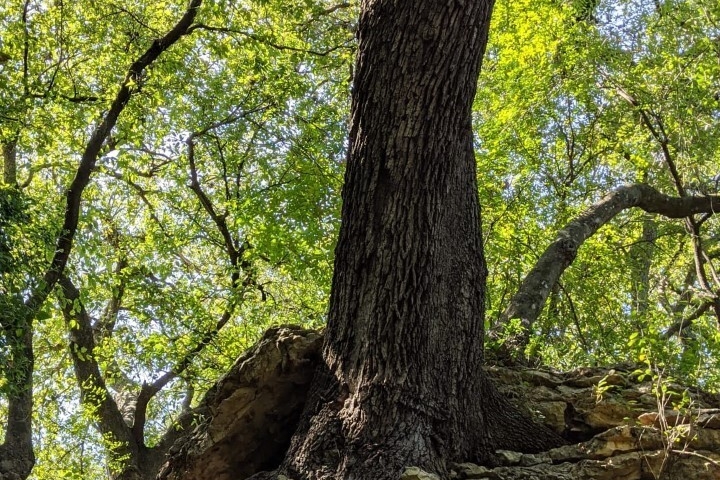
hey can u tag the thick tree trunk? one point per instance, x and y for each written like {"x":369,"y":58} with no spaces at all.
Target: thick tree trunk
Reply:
{"x":402,"y":382}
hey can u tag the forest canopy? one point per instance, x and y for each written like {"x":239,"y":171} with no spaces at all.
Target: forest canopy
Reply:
{"x":171,"y":188}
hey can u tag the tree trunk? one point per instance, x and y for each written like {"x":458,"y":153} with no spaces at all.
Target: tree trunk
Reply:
{"x":9,"y":150}
{"x":17,"y":457}
{"x":641,"y":255}
{"x":402,"y":382}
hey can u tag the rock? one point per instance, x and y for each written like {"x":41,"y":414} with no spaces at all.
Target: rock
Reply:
{"x":648,"y":418}
{"x":506,"y":457}
{"x":415,"y":473}
{"x":709,"y":420}
{"x":630,"y":453}
{"x":537,"y":472}
{"x":472,"y":471}
{"x":625,"y":466}
{"x":244,"y":423}
{"x":608,"y":414}
{"x":250,"y":414}
{"x":552,"y":414}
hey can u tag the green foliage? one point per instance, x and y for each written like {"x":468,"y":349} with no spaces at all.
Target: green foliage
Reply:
{"x":253,"y":105}
{"x":556,"y":132}
{"x":264,"y":87}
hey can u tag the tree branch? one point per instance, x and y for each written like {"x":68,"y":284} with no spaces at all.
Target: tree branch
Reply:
{"x":93,"y":390}
{"x":16,"y":453}
{"x":142,"y":193}
{"x":528,"y":302}
{"x":92,"y":150}
{"x":678,"y":327}
{"x":234,"y":249}
{"x":266,"y":41}
{"x":105,"y":325}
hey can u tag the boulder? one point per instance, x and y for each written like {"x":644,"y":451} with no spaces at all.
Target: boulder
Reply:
{"x":244,"y":423}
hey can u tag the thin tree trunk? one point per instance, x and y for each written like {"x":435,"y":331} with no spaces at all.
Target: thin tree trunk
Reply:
{"x":642,"y":255}
{"x":17,"y":457}
{"x":402,"y":382}
{"x":9,"y":150}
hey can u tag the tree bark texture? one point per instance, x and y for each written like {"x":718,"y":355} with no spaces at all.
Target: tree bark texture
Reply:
{"x":402,"y":382}
{"x":527,"y":304}
{"x":17,"y":456}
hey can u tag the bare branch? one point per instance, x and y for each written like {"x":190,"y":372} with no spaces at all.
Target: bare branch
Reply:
{"x":678,"y":327}
{"x":234,"y":249}
{"x":657,"y":130}
{"x":576,"y":319}
{"x":266,"y":41}
{"x":142,"y":193}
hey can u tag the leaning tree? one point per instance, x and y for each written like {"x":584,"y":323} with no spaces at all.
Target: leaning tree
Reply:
{"x":401,"y":382}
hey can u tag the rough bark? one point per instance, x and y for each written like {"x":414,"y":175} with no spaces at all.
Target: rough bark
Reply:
{"x":17,"y":457}
{"x":402,"y":383}
{"x":527,"y":304}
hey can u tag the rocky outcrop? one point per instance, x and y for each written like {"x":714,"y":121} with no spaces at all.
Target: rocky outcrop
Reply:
{"x":583,"y":402}
{"x":625,"y":431}
{"x":621,"y":453}
{"x":245,"y":421}
{"x":618,"y":427}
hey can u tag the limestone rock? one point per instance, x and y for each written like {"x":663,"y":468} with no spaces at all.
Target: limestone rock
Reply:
{"x":415,"y":473}
{"x":251,"y":412}
{"x":244,"y":423}
{"x":628,"y":453}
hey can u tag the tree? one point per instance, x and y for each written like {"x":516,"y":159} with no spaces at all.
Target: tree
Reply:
{"x":402,"y":381}
{"x":211,"y":208}
{"x":623,"y":99}
{"x":127,"y":74}
{"x":530,"y":298}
